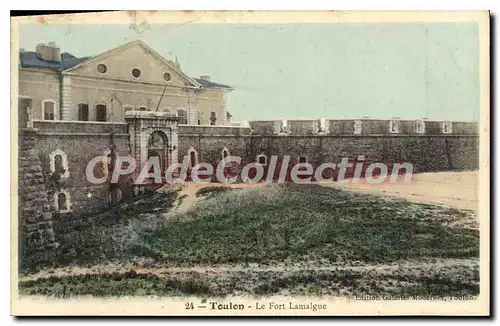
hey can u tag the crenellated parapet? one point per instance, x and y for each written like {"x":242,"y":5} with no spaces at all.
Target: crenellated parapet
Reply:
{"x":362,"y":127}
{"x":221,"y":131}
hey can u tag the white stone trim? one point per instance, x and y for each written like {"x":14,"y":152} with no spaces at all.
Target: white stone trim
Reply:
{"x":358,"y":127}
{"x":76,"y":121}
{"x":66,"y":98}
{"x":447,"y":127}
{"x":68,"y":201}
{"x":116,"y":89}
{"x":224,"y":109}
{"x":64,"y":158}
{"x":124,"y":106}
{"x":227,"y":126}
{"x":420,"y":127}
{"x":225,"y":150}
{"x":394,"y":127}
{"x":320,"y":127}
{"x":55,"y":109}
{"x":140,"y":73}
{"x":97,"y":69}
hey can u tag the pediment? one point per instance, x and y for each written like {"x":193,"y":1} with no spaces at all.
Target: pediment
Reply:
{"x":123,"y":63}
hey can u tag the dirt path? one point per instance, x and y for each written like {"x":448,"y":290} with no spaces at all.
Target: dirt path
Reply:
{"x":187,"y":198}
{"x":452,"y":189}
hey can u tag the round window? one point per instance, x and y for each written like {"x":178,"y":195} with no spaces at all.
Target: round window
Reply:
{"x":166,"y":77}
{"x":101,"y":68}
{"x":136,"y":73}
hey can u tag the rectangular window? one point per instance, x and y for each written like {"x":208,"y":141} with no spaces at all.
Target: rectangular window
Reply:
{"x":198,"y":117}
{"x":100,"y":113}
{"x":25,"y":109}
{"x":213,"y":118}
{"x":49,"y":110}
{"x":183,"y":116}
{"x":83,"y":112}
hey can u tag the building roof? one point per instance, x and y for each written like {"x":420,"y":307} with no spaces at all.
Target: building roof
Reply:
{"x":28,"y":59}
{"x":209,"y":84}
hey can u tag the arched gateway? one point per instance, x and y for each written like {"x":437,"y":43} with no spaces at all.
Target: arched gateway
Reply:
{"x":152,"y":134}
{"x":158,"y":147}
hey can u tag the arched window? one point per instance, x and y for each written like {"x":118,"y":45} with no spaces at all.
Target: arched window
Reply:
{"x":100,"y":113}
{"x":183,"y":116}
{"x":49,"y":109}
{"x":143,"y":108}
{"x":59,"y":163}
{"x":62,"y":201}
{"x":193,"y":157}
{"x":83,"y":112}
{"x":225,"y":153}
{"x":213,"y":118}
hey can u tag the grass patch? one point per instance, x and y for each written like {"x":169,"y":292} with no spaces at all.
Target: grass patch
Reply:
{"x":288,"y":224}
{"x":114,"y":285}
{"x":259,"y":283}
{"x":303,"y":223}
{"x":109,"y":235}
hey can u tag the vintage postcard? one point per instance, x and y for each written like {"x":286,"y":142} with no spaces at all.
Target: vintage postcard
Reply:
{"x":251,"y":164}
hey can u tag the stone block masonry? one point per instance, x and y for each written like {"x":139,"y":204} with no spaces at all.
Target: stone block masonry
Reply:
{"x":429,"y":149}
{"x":78,"y":143}
{"x":37,"y":243}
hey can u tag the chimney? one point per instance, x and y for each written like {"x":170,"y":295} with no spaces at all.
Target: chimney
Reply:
{"x":207,"y":78}
{"x":175,"y":63}
{"x":48,"y":52}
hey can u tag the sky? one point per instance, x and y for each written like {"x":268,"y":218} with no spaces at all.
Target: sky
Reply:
{"x":311,"y":71}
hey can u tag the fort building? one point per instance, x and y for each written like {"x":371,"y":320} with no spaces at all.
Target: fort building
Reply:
{"x":60,"y":86}
{"x":132,"y":101}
